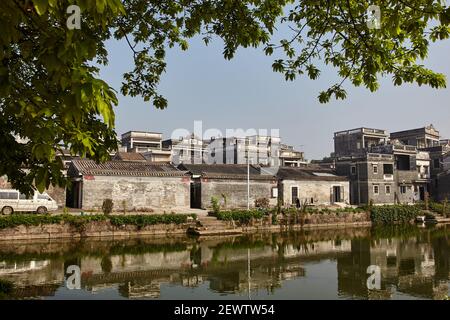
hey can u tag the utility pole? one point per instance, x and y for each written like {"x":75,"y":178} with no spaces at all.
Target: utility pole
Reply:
{"x":248,"y":182}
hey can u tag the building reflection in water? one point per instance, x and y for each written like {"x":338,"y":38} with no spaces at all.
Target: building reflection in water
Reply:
{"x":417,"y":266}
{"x":413,"y":262}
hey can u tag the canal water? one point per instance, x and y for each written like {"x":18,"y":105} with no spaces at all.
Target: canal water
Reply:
{"x":405,"y":262}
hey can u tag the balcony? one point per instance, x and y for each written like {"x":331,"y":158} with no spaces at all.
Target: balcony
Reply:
{"x":423,"y":176}
{"x":407,"y":148}
{"x":406,"y":176}
{"x":388,"y":177}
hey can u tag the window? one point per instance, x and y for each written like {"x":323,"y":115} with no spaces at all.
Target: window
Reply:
{"x":388,"y":189}
{"x":375,"y":169}
{"x":353,"y":169}
{"x":436,"y":163}
{"x":376,"y":189}
{"x":42,"y":197}
{"x":294,"y":195}
{"x":403,"y":189}
{"x":23,"y":197}
{"x":8,"y":195}
{"x":388,"y":169}
{"x":275,"y":192}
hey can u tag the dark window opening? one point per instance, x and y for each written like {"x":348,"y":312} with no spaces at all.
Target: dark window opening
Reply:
{"x":436,"y":163}
{"x":388,"y":169}
{"x":294,"y":195}
{"x":403,"y":163}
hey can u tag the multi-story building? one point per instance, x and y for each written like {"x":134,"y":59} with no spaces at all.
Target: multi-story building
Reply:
{"x":382,"y":171}
{"x":147,"y":143}
{"x":357,"y":141}
{"x":260,"y":150}
{"x":189,"y":149}
{"x":421,"y":137}
{"x":371,"y":178}
{"x":289,"y":157}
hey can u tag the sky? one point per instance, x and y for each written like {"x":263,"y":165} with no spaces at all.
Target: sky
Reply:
{"x":245,"y":93}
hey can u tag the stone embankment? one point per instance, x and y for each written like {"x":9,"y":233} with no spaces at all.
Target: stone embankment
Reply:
{"x":70,"y":227}
{"x":90,"y":229}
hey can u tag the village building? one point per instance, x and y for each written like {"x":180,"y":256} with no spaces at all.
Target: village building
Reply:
{"x":147,"y":143}
{"x":132,"y":185}
{"x":228,"y":183}
{"x":357,"y":141}
{"x":411,"y":170}
{"x":439,"y":163}
{"x":371,"y":178}
{"x":443,"y":186}
{"x":258,"y":150}
{"x":128,"y":156}
{"x":421,"y":137}
{"x":312,"y":185}
{"x":289,"y":157}
{"x":386,"y":171}
{"x":189,"y":149}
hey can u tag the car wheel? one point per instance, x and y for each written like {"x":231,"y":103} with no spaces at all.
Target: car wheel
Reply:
{"x":7,"y":211}
{"x":41,"y":210}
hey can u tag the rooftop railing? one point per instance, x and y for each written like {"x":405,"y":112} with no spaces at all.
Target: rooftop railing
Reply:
{"x":361,"y":130}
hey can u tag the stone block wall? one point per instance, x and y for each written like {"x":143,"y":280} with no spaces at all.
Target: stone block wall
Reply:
{"x":319,"y":191}
{"x":136,"y":193}
{"x":236,"y":192}
{"x":443,"y":187}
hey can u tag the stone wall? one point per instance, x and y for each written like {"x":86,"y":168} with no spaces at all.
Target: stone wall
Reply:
{"x":443,"y":187}
{"x":136,"y":193}
{"x":92,"y":229}
{"x":319,"y":191}
{"x":236,"y":192}
{"x":57,"y":193}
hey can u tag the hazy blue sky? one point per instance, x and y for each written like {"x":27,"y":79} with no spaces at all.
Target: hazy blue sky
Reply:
{"x":245,"y":93}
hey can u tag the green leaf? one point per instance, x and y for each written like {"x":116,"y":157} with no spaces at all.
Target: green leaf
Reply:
{"x":40,"y":6}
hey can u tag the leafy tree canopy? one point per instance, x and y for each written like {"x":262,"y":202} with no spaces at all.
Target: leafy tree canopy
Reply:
{"x":52,"y":97}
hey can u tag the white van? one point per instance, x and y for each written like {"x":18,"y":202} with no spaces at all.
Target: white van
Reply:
{"x":12,"y":200}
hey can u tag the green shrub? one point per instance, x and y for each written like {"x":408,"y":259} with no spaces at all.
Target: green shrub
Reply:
{"x":241,"y":216}
{"x":6,"y":289}
{"x":107,"y":206}
{"x":392,"y":214}
{"x":215,"y":205}
{"x":274,"y":219}
{"x":144,"y":220}
{"x":79,"y":222}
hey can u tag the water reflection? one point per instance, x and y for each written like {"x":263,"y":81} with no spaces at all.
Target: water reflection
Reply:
{"x":414,"y":263}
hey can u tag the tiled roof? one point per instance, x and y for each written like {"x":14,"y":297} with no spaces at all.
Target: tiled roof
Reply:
{"x":225,"y":171}
{"x":123,"y":168}
{"x":313,"y":174}
{"x":129,"y":156}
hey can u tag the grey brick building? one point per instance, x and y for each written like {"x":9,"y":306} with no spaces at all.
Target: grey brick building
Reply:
{"x":421,"y":137}
{"x":382,"y":171}
{"x":229,"y":181}
{"x":371,"y":178}
{"x":357,"y":141}
{"x":315,"y":185}
{"x":130,"y":184}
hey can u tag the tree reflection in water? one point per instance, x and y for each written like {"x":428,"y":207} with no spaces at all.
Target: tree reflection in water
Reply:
{"x":414,"y":262}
